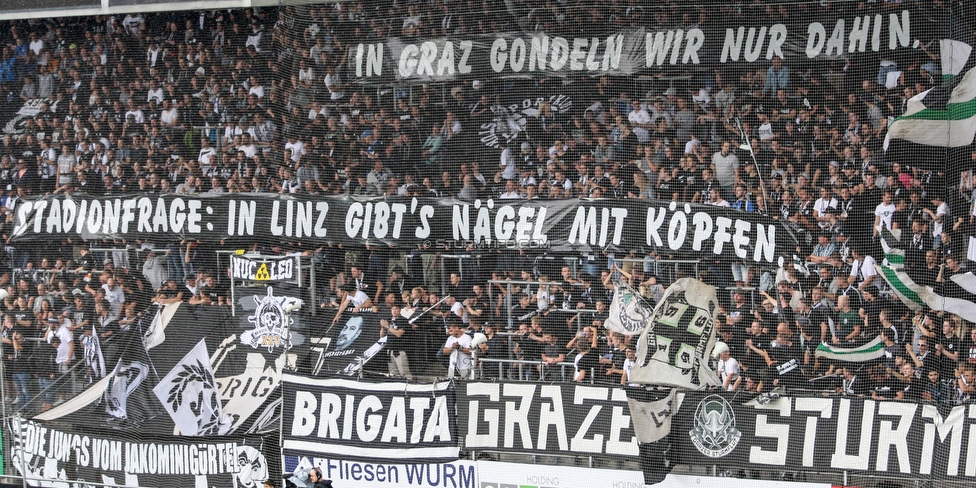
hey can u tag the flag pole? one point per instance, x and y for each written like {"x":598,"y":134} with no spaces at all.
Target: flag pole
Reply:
{"x":747,"y":145}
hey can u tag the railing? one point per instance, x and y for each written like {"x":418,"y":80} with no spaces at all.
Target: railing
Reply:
{"x":509,"y":321}
{"x":544,"y":369}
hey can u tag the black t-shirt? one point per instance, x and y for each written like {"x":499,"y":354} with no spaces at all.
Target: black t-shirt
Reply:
{"x":913,"y":390}
{"x":216,"y":291}
{"x":397,"y":344}
{"x":532,"y":348}
{"x":590,"y":363}
{"x":552,"y":350}
{"x":860,"y":386}
{"x":787,"y":366}
{"x":968,"y":353}
{"x":80,"y":314}
{"x":819,"y":314}
{"x":930,"y":362}
{"x":87,"y":262}
{"x":784,"y":107}
{"x":497,"y":348}
{"x":744,"y":311}
{"x":947,"y":366}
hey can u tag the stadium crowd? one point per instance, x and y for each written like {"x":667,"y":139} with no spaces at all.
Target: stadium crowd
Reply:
{"x":259,"y":101}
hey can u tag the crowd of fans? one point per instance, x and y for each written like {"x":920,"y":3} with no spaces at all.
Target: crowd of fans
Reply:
{"x":261,"y":101}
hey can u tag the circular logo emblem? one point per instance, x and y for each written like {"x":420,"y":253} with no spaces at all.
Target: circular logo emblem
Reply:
{"x":714,"y":433}
{"x":508,"y":121}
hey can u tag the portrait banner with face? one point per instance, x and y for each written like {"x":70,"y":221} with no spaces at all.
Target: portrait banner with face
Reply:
{"x":346,"y":346}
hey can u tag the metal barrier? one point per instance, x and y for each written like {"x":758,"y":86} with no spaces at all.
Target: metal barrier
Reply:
{"x":25,"y":481}
{"x":510,"y":322}
{"x":544,"y":368}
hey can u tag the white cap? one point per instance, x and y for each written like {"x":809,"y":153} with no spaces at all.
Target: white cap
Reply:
{"x":478,"y":339}
{"x":720,"y":347}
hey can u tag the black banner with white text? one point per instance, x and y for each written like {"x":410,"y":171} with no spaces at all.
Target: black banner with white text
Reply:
{"x":597,"y":52}
{"x":572,"y":225}
{"x":568,"y":419}
{"x":264,"y":269}
{"x":406,"y":422}
{"x":884,"y":438}
{"x":57,"y":457}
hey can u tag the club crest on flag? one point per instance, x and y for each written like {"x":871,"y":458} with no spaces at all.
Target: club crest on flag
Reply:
{"x":271,"y":320}
{"x":714,"y":433}
{"x":629,"y":313}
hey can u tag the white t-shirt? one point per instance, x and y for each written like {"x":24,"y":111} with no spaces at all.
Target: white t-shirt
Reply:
{"x":297,"y":150}
{"x":507,"y":164}
{"x":885,"y":213}
{"x":169,"y":116}
{"x":334,"y":81}
{"x":65,"y":347}
{"x":206,"y":156}
{"x":628,"y":366}
{"x":822,"y":205}
{"x":155,"y":95}
{"x":728,"y":370}
{"x":639,"y":116}
{"x":358,"y":299}
{"x":115,"y":297}
{"x":460,"y":361}
{"x":937,"y":226}
{"x":863,"y":269}
{"x":458,"y":309}
{"x":36,"y":46}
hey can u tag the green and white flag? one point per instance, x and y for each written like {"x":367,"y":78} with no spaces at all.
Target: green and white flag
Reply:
{"x":902,"y":285}
{"x":867,"y":352}
{"x":961,"y":307}
{"x":894,"y":253}
{"x":945,"y":115}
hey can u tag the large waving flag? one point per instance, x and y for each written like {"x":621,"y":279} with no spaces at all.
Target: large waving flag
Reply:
{"x":866,"y":352}
{"x":959,"y":306}
{"x":915,"y":296}
{"x":903,"y":286}
{"x":965,"y":280}
{"x":674,"y":347}
{"x":892,"y":270}
{"x":945,"y":115}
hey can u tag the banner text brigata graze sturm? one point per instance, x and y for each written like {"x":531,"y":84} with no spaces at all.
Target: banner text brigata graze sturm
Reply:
{"x":571,"y":225}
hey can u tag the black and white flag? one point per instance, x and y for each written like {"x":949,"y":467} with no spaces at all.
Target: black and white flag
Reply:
{"x":629,"y":312}
{"x":189,"y":393}
{"x":93,"y":354}
{"x":674,"y":348}
{"x":652,"y":418}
